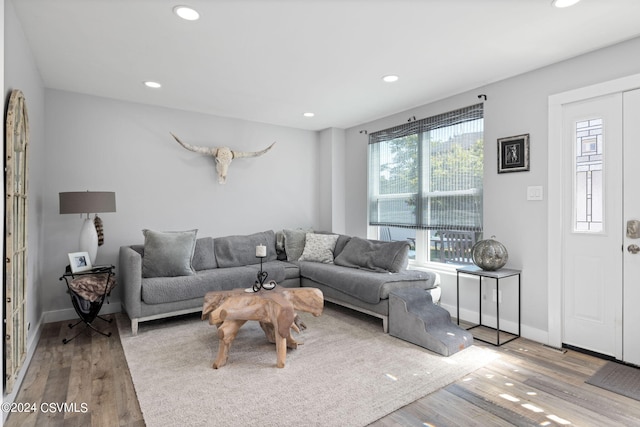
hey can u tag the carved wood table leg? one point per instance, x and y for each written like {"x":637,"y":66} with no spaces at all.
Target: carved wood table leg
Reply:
{"x":281,"y":351}
{"x":227,"y":332}
{"x":270,"y":333}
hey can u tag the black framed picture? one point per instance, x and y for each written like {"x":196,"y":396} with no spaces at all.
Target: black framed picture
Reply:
{"x":513,"y":154}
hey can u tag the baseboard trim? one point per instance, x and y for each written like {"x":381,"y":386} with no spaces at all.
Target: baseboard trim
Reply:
{"x":533,"y":334}
{"x":550,"y":347}
{"x":69,"y":313}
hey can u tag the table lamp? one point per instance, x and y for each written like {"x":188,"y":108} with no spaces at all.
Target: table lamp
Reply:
{"x":88,"y":202}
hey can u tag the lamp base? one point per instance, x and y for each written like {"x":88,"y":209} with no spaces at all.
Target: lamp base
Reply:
{"x":89,"y":239}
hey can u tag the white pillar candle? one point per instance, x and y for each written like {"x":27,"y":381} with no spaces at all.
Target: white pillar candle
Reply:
{"x":261,"y":251}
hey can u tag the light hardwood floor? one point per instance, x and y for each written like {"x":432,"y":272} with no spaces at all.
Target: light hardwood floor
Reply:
{"x":529,"y":385}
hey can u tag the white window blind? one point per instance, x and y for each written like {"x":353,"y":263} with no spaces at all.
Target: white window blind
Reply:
{"x":427,"y":174}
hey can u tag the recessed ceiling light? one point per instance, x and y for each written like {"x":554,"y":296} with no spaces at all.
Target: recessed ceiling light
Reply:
{"x":390,"y":78}
{"x":564,"y":3}
{"x":186,"y":12}
{"x":308,"y":114}
{"x":153,"y":85}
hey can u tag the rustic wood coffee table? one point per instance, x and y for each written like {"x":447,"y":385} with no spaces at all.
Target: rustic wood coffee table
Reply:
{"x":274,"y":309}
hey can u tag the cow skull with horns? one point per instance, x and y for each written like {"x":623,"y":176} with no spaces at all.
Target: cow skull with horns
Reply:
{"x":222,"y":155}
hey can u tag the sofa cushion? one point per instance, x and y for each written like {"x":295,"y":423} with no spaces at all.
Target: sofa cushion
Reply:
{"x":319,"y":248}
{"x":168,"y":253}
{"x":204,"y":258}
{"x":340,"y":244}
{"x":235,"y":251}
{"x":374,"y":255}
{"x":367,"y":286}
{"x":160,"y":290}
{"x":294,"y":241}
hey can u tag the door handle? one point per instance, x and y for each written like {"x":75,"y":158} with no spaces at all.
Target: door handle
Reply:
{"x":634,"y":249}
{"x":633,"y":229}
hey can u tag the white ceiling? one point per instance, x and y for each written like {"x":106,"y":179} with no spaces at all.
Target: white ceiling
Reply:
{"x":272,"y":60}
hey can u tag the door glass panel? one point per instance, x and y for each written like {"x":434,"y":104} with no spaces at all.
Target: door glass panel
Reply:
{"x":588,"y":190}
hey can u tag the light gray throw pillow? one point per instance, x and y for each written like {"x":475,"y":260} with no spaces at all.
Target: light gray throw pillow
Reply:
{"x":294,"y":243}
{"x":168,"y":253}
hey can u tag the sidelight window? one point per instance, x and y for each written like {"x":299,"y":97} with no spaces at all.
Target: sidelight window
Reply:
{"x":588,"y":189}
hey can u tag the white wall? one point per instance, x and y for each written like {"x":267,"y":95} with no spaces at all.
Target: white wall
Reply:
{"x":514,"y":106}
{"x":101,"y":144}
{"x":21,"y":73}
{"x":331,"y":180}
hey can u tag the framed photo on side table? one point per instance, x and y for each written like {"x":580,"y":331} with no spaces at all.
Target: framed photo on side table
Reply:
{"x":513,"y":154}
{"x":79,"y":261}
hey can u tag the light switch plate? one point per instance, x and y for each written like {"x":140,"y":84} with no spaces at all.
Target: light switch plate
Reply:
{"x":535,"y":193}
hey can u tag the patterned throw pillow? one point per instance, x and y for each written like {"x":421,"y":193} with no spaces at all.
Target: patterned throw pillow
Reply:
{"x":319,"y":248}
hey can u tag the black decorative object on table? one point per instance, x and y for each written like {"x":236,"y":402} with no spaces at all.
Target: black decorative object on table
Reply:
{"x":262,"y":278}
{"x":88,"y":302}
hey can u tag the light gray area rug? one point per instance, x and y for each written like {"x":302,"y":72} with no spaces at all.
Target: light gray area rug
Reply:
{"x":618,"y":378}
{"x":347,"y":373}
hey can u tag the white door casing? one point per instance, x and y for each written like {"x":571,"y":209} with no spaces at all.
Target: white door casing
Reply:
{"x":631,"y":291}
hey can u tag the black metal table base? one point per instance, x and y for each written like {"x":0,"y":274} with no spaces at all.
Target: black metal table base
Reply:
{"x":88,"y":310}
{"x":497,"y":275}
{"x":497,"y":342}
{"x":87,"y":325}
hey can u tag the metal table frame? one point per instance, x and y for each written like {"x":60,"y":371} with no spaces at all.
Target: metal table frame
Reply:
{"x":87,"y":317}
{"x":497,"y":275}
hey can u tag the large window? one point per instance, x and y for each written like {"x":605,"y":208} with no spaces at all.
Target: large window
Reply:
{"x":426,"y":177}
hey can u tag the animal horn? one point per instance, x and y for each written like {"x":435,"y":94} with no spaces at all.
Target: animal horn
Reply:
{"x":239,"y":154}
{"x":202,"y":150}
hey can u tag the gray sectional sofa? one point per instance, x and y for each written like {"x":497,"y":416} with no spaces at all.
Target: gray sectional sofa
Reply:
{"x":171,"y":272}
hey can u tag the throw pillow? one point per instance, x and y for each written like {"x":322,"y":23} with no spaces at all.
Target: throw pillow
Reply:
{"x":319,"y":248}
{"x":374,"y":255}
{"x":168,"y":253}
{"x":294,"y":241}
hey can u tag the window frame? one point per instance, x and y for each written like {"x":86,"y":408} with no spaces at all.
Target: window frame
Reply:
{"x":423,"y":232}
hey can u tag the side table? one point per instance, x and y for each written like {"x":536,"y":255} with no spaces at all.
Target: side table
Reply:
{"x":497,"y":275}
{"x":88,"y":290}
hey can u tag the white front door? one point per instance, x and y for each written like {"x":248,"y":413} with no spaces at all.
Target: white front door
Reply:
{"x":592,"y":189}
{"x":598,"y":200}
